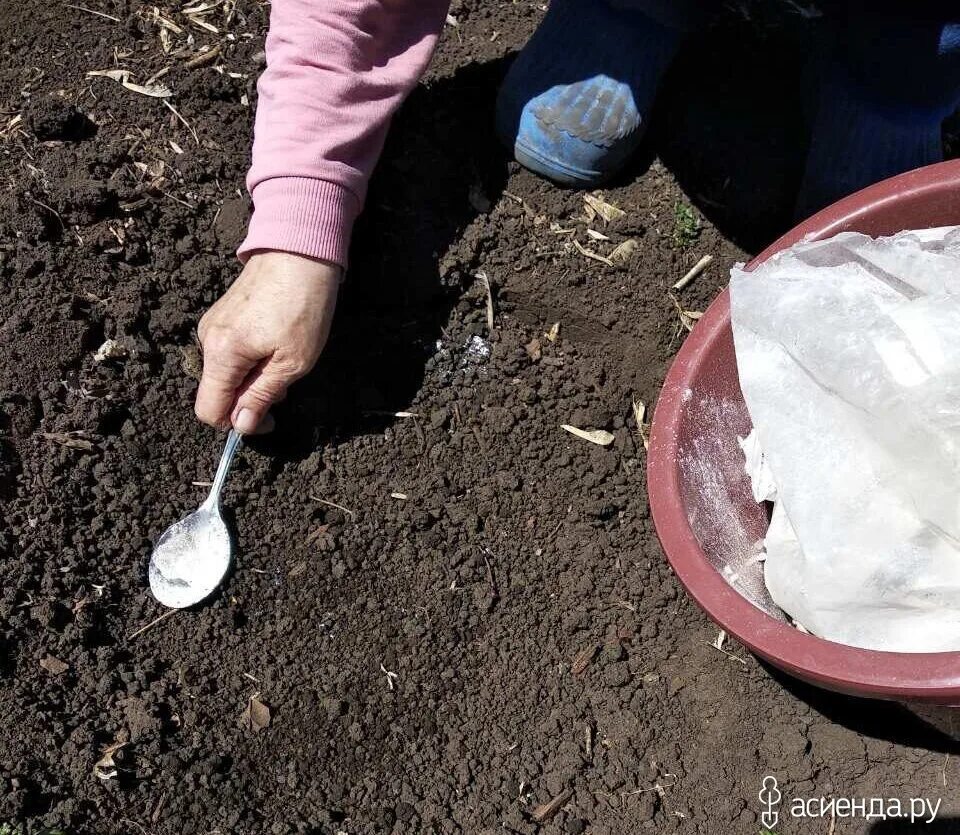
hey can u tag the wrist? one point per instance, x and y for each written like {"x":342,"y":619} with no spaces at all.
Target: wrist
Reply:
{"x":295,"y":264}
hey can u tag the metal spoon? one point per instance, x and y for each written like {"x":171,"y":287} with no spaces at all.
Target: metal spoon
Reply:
{"x":192,"y":556}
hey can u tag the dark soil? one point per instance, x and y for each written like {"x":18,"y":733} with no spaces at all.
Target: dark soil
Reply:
{"x":504,"y":634}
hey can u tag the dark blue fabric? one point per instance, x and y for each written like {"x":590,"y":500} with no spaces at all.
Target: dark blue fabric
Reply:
{"x":887,"y":75}
{"x":891,"y":78}
{"x":904,"y":55}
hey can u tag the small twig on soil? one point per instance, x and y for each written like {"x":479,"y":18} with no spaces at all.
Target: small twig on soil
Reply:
{"x":71,"y":440}
{"x":50,"y":209}
{"x":486,"y":283}
{"x":491,"y":579}
{"x":688,"y":318}
{"x":92,"y":11}
{"x":185,"y":123}
{"x":165,"y":22}
{"x":694,"y":271}
{"x":150,"y":625}
{"x":589,"y":253}
{"x":169,"y":196}
{"x":392,"y":414}
{"x":718,"y":642}
{"x":201,"y":23}
{"x":123,"y":78}
{"x":547,"y":810}
{"x":203,"y":59}
{"x":11,"y":126}
{"x":152,"y":80}
{"x":559,"y":525}
{"x":392,"y":677}
{"x":158,"y":808}
{"x":640,"y":418}
{"x":548,"y":253}
{"x":349,"y":512}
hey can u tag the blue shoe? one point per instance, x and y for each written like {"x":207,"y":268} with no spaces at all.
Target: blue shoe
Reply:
{"x":575,"y":103}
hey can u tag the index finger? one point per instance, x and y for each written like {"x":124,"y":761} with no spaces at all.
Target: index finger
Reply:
{"x":224,"y":371}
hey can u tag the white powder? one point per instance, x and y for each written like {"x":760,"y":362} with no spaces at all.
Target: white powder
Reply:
{"x":189,"y":560}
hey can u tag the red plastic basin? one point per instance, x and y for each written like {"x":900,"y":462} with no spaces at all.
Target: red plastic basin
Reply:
{"x":705,"y":368}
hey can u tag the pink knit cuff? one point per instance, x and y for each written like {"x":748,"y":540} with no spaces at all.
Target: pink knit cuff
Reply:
{"x":301,"y":215}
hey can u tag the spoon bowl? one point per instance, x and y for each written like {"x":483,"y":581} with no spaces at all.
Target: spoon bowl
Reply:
{"x":193,"y":555}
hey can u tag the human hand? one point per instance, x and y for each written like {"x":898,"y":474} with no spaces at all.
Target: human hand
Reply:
{"x":262,"y":335}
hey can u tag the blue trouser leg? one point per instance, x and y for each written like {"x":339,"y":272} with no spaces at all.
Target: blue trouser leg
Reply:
{"x":575,"y":103}
{"x":893,"y":77}
{"x":905,"y":56}
{"x":682,"y":15}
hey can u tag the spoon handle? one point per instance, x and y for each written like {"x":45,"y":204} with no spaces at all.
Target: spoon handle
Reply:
{"x":233,"y":442}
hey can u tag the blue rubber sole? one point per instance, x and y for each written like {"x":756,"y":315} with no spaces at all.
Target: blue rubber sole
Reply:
{"x":555,"y":170}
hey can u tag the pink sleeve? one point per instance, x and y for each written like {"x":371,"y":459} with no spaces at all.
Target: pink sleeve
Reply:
{"x":337,"y":70}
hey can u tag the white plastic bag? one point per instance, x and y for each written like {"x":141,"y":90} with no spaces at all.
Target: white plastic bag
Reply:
{"x":849,"y":359}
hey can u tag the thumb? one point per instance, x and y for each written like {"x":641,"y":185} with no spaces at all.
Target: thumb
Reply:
{"x":265,"y":385}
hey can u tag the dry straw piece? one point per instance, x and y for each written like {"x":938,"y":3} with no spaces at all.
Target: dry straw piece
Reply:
{"x":489,"y":293}
{"x":694,"y":271}
{"x":589,"y":253}
{"x":545,"y":811}
{"x":157,"y":91}
{"x":203,"y":59}
{"x":106,"y":767}
{"x":688,"y":318}
{"x":92,"y":11}
{"x":640,"y":416}
{"x":598,"y":206}
{"x":71,"y":440}
{"x":621,"y":253}
{"x":600,"y":437}
{"x":111,"y":350}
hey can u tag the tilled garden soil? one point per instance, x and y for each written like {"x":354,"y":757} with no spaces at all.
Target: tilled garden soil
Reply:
{"x":456,"y":619}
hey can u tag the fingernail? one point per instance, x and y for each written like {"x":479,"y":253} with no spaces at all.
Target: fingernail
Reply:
{"x":245,"y":422}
